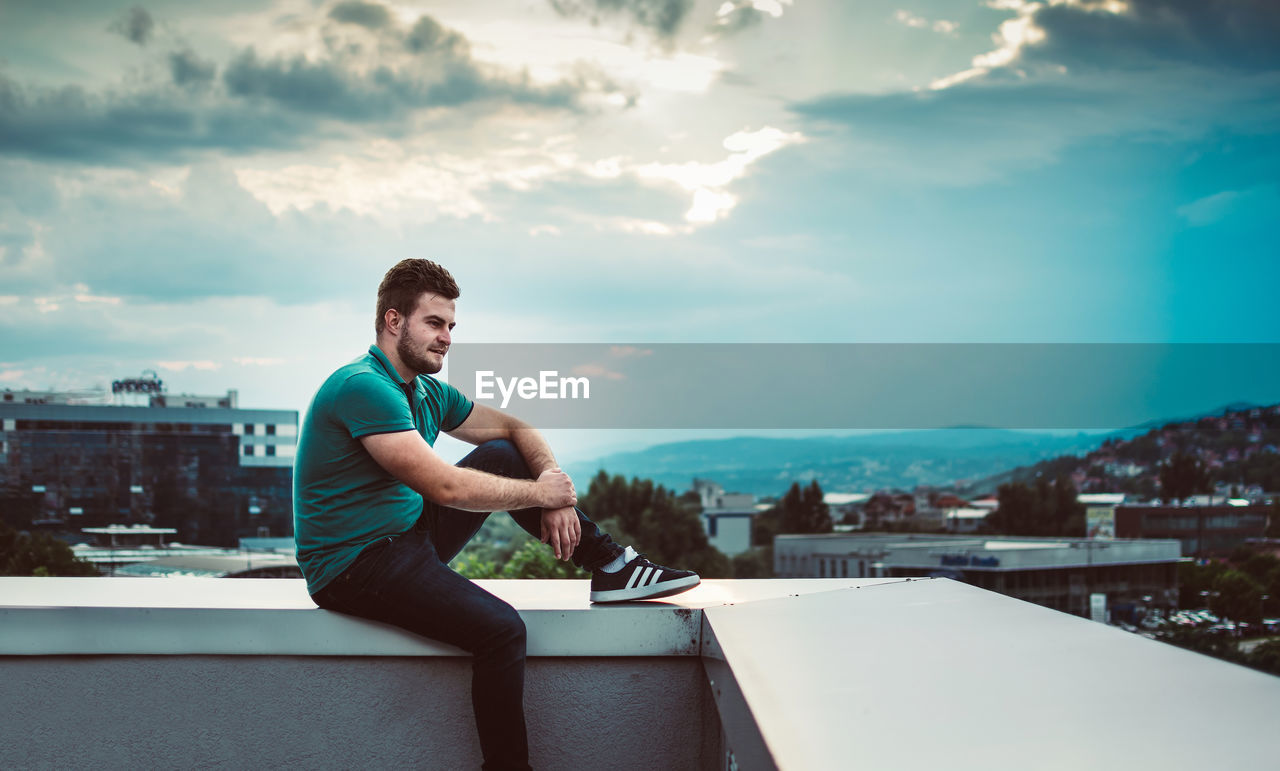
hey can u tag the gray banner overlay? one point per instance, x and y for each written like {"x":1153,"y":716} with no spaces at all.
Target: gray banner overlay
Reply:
{"x":855,"y":386}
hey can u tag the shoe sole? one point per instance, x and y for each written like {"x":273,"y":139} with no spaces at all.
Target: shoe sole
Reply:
{"x":663,"y":589}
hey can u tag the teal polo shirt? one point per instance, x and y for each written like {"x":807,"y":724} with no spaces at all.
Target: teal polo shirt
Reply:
{"x":342,"y":499}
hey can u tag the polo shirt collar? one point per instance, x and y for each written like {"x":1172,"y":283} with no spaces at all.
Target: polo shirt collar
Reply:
{"x":419,"y":390}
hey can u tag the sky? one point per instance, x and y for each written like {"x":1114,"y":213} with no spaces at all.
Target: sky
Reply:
{"x":213,"y":191}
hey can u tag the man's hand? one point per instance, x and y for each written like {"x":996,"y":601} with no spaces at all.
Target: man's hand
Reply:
{"x":556,"y":489}
{"x":561,"y":528}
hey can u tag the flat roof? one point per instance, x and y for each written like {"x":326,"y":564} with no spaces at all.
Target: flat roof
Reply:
{"x":1010,"y":545}
{"x":127,"y":414}
{"x":130,"y":530}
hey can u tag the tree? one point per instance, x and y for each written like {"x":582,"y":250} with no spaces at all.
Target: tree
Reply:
{"x":655,"y":521}
{"x":534,"y":560}
{"x":754,"y":563}
{"x":1016,"y":510}
{"x":1266,"y":656}
{"x":1195,"y":581}
{"x":803,"y":510}
{"x":766,"y":525}
{"x":1237,"y":597}
{"x":1183,"y":476}
{"x":473,"y":566}
{"x":38,"y":554}
{"x":1044,"y":509}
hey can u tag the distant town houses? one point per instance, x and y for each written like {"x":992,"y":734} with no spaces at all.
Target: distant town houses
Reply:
{"x":1204,"y":525}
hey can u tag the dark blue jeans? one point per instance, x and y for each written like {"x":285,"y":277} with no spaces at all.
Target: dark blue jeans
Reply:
{"x":405,"y":580}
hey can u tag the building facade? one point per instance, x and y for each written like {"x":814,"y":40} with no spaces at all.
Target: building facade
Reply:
{"x":1203,"y":531}
{"x":726,"y":517}
{"x":201,"y":465}
{"x":1059,"y":573}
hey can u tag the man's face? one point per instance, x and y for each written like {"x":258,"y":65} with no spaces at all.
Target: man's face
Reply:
{"x":425,"y":338}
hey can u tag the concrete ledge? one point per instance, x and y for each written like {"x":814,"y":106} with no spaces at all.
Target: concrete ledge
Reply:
{"x":68,"y":616}
{"x":250,"y":673}
{"x":792,"y":674}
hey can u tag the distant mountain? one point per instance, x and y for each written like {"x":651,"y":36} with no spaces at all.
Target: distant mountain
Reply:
{"x":861,"y":463}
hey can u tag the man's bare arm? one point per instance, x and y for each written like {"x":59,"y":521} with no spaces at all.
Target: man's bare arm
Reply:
{"x":486,"y":424}
{"x":560,"y":526}
{"x":407,"y":456}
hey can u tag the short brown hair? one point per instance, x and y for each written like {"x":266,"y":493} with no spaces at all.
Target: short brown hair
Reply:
{"x":406,"y":281}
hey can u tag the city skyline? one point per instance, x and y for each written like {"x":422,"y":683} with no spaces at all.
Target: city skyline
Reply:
{"x":214,"y":192}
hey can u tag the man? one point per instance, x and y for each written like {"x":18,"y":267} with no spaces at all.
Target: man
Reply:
{"x":379,"y":515}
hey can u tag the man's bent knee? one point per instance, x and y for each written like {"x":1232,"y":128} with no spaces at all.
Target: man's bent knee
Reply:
{"x":508,"y":633}
{"x":498,"y":456}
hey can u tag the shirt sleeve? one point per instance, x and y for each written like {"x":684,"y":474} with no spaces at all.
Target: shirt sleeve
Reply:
{"x":457,"y":408}
{"x":368,"y":404}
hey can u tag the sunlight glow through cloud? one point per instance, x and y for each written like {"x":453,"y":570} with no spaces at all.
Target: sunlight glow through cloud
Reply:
{"x":772,"y":7}
{"x":389,"y":182}
{"x":1016,"y":33}
{"x":707,"y":180}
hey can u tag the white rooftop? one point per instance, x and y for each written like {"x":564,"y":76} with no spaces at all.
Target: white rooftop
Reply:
{"x":968,"y":513}
{"x":130,"y":530}
{"x":842,"y":499}
{"x":1022,"y":545}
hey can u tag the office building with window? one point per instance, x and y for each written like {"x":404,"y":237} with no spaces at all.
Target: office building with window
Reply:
{"x":198,"y":464}
{"x":1204,"y":531}
{"x":1059,"y":573}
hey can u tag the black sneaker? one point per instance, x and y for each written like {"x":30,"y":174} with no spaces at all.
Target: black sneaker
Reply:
{"x":640,"y":580}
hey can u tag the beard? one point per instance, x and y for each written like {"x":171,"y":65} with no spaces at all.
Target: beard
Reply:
{"x":407,"y":348}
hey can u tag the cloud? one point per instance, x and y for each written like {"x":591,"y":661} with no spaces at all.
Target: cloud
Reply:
{"x":369,"y":15}
{"x":428,"y":35}
{"x":628,"y":351}
{"x":1106,"y":35}
{"x":661,"y":17}
{"x":114,"y":239}
{"x":1212,"y":209}
{"x":1234,"y":34}
{"x":734,"y":16}
{"x":596,"y":370}
{"x":941,"y":26}
{"x":187,"y":69}
{"x":136,"y":26}
{"x":277,"y":101}
{"x":708,"y":182}
{"x":178,"y":366}
{"x":1042,"y":90}
{"x":71,"y":123}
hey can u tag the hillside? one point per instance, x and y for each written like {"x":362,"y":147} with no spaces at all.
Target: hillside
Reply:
{"x":1240,"y":445}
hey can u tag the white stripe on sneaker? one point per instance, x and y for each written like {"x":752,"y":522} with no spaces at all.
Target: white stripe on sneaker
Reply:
{"x":654,"y":578}
{"x":635,"y":578}
{"x":644,"y":580}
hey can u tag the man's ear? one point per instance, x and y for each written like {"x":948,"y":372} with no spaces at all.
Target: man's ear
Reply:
{"x":393,"y":320}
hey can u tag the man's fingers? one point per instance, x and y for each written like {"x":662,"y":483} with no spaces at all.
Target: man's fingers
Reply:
{"x":555,"y":543}
{"x":568,"y":542}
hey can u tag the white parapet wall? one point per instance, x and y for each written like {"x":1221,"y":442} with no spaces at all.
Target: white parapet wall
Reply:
{"x":792,"y":674}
